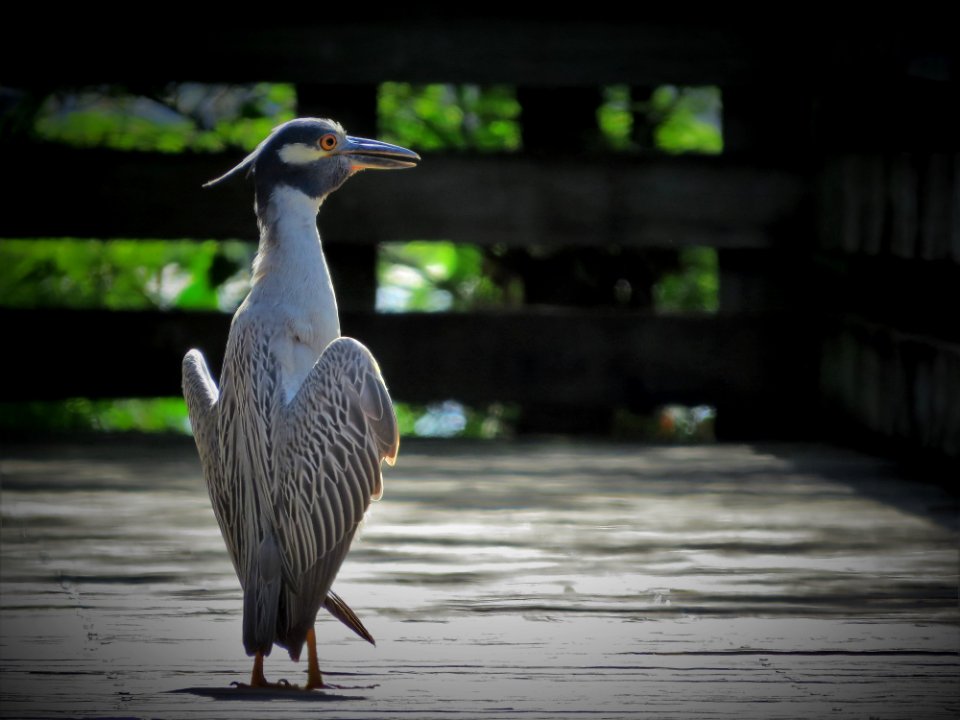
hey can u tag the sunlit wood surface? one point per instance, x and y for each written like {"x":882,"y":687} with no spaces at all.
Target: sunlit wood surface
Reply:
{"x":540,"y":580}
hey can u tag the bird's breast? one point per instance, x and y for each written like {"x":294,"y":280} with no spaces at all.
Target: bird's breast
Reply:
{"x":299,"y":346}
{"x":294,"y":327}
{"x":299,"y":360}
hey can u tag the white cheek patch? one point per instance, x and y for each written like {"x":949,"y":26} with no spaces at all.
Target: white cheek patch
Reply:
{"x":300,"y":154}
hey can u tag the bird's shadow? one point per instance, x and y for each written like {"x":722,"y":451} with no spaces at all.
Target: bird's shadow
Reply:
{"x":332,"y":693}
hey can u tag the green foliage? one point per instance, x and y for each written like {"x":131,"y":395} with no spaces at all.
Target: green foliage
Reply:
{"x":83,"y":414}
{"x":417,"y":276}
{"x":452,"y":419}
{"x":205,"y":118}
{"x":447,"y":419}
{"x":407,"y":415}
{"x":123,"y":274}
{"x":673,"y":120}
{"x":689,"y":119}
{"x":118,"y":275}
{"x":423,"y":276}
{"x":151,"y":415}
{"x":615,"y":117}
{"x":210,"y":118}
{"x":695,"y":288}
{"x":432,"y":117}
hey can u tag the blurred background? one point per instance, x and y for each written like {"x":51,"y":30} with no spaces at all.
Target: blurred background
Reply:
{"x":678,"y":231}
{"x":624,"y":239}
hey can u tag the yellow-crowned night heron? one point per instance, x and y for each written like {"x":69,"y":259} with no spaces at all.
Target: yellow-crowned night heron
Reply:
{"x":291,"y":443}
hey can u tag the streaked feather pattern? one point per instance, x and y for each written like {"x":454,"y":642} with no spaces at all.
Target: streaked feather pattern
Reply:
{"x":336,"y":431}
{"x":289,"y":483}
{"x":291,"y":444}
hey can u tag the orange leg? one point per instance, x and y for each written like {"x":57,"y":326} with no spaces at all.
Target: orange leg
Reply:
{"x":257,"y":679}
{"x":314,"y":678}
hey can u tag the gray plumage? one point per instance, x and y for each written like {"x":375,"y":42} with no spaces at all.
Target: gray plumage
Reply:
{"x":292,"y":441}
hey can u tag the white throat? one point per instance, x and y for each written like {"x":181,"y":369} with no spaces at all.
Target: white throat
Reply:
{"x":288,"y":231}
{"x":291,"y":282}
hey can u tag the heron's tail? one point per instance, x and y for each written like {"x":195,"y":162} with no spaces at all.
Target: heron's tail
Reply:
{"x":261,"y":599}
{"x":342,"y":612}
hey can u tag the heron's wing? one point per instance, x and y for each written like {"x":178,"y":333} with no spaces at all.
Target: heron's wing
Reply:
{"x":202,"y":396}
{"x":250,"y":400}
{"x":338,"y":429}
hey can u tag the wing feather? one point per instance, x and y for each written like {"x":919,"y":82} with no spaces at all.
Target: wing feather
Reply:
{"x":301,"y":475}
{"x":203,"y":403}
{"x":338,"y":425}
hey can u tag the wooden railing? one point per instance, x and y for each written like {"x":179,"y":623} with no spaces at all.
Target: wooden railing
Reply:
{"x":814,"y":216}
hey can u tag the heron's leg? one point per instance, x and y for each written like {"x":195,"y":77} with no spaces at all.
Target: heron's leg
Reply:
{"x":257,"y":678}
{"x":314,"y":678}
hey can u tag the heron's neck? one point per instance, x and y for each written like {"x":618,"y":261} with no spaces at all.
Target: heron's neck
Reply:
{"x":290,"y":268}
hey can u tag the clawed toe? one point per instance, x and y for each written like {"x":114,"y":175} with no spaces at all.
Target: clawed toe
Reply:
{"x":281,"y":684}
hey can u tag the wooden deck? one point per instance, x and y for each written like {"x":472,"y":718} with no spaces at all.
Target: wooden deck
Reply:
{"x":501,"y":580}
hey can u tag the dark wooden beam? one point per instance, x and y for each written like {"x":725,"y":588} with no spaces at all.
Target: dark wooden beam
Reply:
{"x":406,"y":48}
{"x":353,"y":106}
{"x":762,"y":368}
{"x":419,"y":46}
{"x":484,"y":199}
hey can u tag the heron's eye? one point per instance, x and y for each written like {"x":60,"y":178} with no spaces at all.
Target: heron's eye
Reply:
{"x":328,"y":142}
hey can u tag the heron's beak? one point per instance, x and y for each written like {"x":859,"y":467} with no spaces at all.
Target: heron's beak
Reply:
{"x":375,"y":155}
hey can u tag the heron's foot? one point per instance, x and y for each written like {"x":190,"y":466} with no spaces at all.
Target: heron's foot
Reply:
{"x":257,"y":679}
{"x":263,"y":683}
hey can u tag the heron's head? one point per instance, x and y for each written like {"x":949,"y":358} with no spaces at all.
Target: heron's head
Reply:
{"x":315,"y":156}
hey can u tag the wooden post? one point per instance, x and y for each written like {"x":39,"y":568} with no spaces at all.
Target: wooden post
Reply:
{"x":561,"y":120}
{"x":759,"y":124}
{"x":889,"y":200}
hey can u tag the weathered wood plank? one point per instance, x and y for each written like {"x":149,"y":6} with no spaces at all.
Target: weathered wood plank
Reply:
{"x":954,"y":237}
{"x":904,"y":194}
{"x":485,"y":199}
{"x":564,"y":357}
{"x":938,"y":184}
{"x":902,"y":205}
{"x":501,"y":581}
{"x":901,"y":387}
